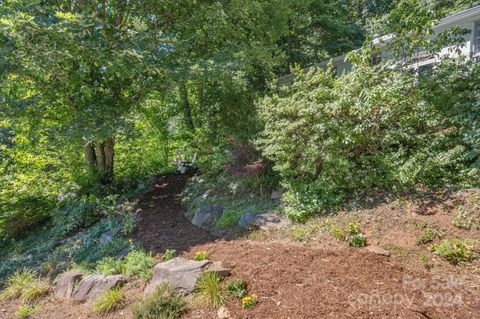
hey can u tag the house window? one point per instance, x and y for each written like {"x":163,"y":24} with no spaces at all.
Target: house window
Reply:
{"x":476,"y":41}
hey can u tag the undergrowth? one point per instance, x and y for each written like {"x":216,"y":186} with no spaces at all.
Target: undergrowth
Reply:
{"x":163,"y":303}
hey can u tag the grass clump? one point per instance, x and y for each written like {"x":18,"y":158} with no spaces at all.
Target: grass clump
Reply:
{"x":112,"y":300}
{"x":455,"y":250}
{"x":17,"y":283}
{"x":352,"y":235}
{"x":162,"y":304}
{"x":25,"y":311}
{"x":35,"y":290}
{"x":201,"y":255}
{"x":209,"y":291}
{"x":237,"y":288}
{"x":169,"y":254}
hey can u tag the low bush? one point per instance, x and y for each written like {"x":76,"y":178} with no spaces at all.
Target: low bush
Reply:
{"x":139,"y":263}
{"x":428,"y":235}
{"x":110,"y":266}
{"x":162,"y":304}
{"x":25,"y":311}
{"x":201,"y":255}
{"x":208,"y":290}
{"x":112,"y":300}
{"x":169,"y":254}
{"x":455,"y":250}
{"x":249,"y":301}
{"x":237,"y":288}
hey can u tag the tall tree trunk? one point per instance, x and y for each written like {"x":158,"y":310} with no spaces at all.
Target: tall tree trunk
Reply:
{"x":105,"y":155}
{"x":109,"y":147}
{"x":90,"y":157}
{"x":100,"y":150}
{"x":187,"y":111}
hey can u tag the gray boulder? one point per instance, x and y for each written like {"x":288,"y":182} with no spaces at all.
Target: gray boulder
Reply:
{"x":182,"y":274}
{"x":262,"y":221}
{"x":90,"y":287}
{"x":66,"y":283}
{"x":207,"y":216}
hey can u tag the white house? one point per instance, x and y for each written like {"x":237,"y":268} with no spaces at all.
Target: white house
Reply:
{"x":468,"y":19}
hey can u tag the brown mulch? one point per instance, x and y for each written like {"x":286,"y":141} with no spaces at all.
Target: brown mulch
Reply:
{"x":292,"y":280}
{"x":162,"y":224}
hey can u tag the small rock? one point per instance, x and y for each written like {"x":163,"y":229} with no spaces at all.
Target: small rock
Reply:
{"x":66,"y":284}
{"x":276,"y":195}
{"x":223,"y":313}
{"x":378,"y":250}
{"x":207,"y":216}
{"x":92,"y":286}
{"x":262,"y":221}
{"x":105,"y":238}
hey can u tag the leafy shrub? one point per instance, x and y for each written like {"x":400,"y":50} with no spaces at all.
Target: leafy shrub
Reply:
{"x":249,"y":301}
{"x":112,"y":300}
{"x":455,"y":250}
{"x":169,"y":254}
{"x":201,"y":255}
{"x":237,"y":288}
{"x":337,"y":232}
{"x":25,"y":311}
{"x":162,"y":304}
{"x":428,"y":235}
{"x":139,"y":263}
{"x":208,"y":290}
{"x":467,"y":219}
{"x":17,"y":283}
{"x":110,"y":266}
{"x":73,"y":215}
{"x":357,"y":240}
{"x":373,"y":128}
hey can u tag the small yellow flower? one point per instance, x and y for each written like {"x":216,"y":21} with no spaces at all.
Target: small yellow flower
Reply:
{"x":249,"y":301}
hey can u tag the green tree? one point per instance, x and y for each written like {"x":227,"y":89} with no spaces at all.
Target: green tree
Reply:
{"x":81,"y":66}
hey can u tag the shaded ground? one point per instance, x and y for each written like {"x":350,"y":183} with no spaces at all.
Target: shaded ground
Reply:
{"x":295,"y":280}
{"x":162,"y":224}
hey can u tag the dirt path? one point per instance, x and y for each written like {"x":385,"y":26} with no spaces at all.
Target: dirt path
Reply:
{"x":162,"y":223}
{"x":294,"y":281}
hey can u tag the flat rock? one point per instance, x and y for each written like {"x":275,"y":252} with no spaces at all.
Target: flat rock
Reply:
{"x":378,"y":250}
{"x":92,"y":286}
{"x":180,"y":273}
{"x":66,"y":284}
{"x":206,"y":217}
{"x":262,"y":221}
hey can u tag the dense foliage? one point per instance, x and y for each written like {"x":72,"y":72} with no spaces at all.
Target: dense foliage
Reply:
{"x":376,"y":127}
{"x":97,"y":96}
